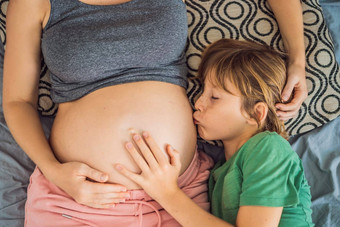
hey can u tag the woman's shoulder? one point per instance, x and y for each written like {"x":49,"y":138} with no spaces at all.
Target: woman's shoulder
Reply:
{"x":38,"y":9}
{"x":32,"y":5}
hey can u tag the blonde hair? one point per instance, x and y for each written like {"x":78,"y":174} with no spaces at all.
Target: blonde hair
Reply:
{"x":257,"y":71}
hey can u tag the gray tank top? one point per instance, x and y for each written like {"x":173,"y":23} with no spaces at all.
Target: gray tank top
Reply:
{"x":87,"y":47}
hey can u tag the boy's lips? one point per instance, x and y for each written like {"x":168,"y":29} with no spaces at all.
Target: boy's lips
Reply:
{"x":194,"y":116}
{"x":198,"y":118}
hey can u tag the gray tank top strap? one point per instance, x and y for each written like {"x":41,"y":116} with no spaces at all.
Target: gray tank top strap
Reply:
{"x":60,"y":8}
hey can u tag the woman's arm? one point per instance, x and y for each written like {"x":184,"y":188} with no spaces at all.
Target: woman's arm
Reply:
{"x":20,"y":93}
{"x":159,"y":179}
{"x":289,"y":17}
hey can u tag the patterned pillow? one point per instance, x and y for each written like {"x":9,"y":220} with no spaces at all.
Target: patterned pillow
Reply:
{"x":210,"y":20}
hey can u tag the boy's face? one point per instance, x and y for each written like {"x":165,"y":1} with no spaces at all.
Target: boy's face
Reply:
{"x":218,"y":113}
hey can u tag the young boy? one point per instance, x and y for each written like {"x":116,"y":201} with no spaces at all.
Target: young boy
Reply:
{"x":261,"y":182}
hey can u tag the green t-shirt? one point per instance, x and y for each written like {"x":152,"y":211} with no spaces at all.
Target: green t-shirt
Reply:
{"x":265,"y":171}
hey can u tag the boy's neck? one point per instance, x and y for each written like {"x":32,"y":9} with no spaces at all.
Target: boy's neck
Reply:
{"x":231,"y":146}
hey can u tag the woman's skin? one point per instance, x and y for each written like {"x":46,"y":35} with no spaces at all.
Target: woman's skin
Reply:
{"x":104,"y":117}
{"x":288,"y":14}
{"x":79,"y":156}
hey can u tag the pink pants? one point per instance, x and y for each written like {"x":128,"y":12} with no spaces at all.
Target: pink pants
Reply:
{"x":47,"y":205}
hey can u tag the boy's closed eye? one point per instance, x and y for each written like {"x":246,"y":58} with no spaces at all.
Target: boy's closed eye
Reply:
{"x":215,"y":94}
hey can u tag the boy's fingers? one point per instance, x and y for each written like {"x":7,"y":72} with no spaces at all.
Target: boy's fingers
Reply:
{"x":161,"y":158}
{"x":137,"y":157}
{"x":148,"y":155}
{"x":174,"y":157}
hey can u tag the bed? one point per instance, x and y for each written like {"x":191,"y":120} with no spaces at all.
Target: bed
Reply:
{"x":315,"y":132}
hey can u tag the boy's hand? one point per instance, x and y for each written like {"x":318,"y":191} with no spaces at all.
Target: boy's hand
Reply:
{"x":159,"y":176}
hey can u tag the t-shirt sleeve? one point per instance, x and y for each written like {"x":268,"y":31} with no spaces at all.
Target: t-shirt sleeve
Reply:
{"x":272,"y":174}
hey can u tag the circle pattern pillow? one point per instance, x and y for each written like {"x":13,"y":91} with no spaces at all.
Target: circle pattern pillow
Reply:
{"x":210,"y":20}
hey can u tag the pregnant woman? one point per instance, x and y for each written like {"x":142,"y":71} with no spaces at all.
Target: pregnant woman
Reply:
{"x":113,"y":67}
{"x":116,"y":66}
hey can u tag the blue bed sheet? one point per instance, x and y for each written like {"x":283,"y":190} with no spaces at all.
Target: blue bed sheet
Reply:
{"x":331,"y":9}
{"x":319,"y":151}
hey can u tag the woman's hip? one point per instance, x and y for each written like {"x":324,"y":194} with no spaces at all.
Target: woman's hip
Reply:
{"x":47,"y":205}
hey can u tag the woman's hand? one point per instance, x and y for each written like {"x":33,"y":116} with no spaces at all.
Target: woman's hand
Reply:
{"x":294,"y":92}
{"x":290,"y":20}
{"x":87,"y":185}
{"x":159,"y":176}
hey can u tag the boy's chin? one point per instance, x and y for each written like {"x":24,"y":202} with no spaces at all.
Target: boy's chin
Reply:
{"x":207,"y":137}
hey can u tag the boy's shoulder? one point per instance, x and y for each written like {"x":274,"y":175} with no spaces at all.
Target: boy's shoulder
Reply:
{"x":267,"y":144}
{"x":267,"y":138}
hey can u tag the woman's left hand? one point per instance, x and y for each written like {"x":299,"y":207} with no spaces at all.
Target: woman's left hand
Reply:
{"x":296,"y":88}
{"x":159,"y":176}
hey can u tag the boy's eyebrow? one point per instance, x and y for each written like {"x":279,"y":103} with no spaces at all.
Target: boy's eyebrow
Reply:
{"x":214,"y":85}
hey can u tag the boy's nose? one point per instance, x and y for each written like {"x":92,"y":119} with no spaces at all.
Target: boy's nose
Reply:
{"x":199,"y":103}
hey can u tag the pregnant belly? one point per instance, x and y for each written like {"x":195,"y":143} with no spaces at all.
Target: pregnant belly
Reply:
{"x":94,"y":129}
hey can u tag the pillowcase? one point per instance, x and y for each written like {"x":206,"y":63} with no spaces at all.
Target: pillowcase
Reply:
{"x":210,"y":20}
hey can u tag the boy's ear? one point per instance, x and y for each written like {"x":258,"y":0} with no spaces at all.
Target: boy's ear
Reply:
{"x":261,"y":111}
